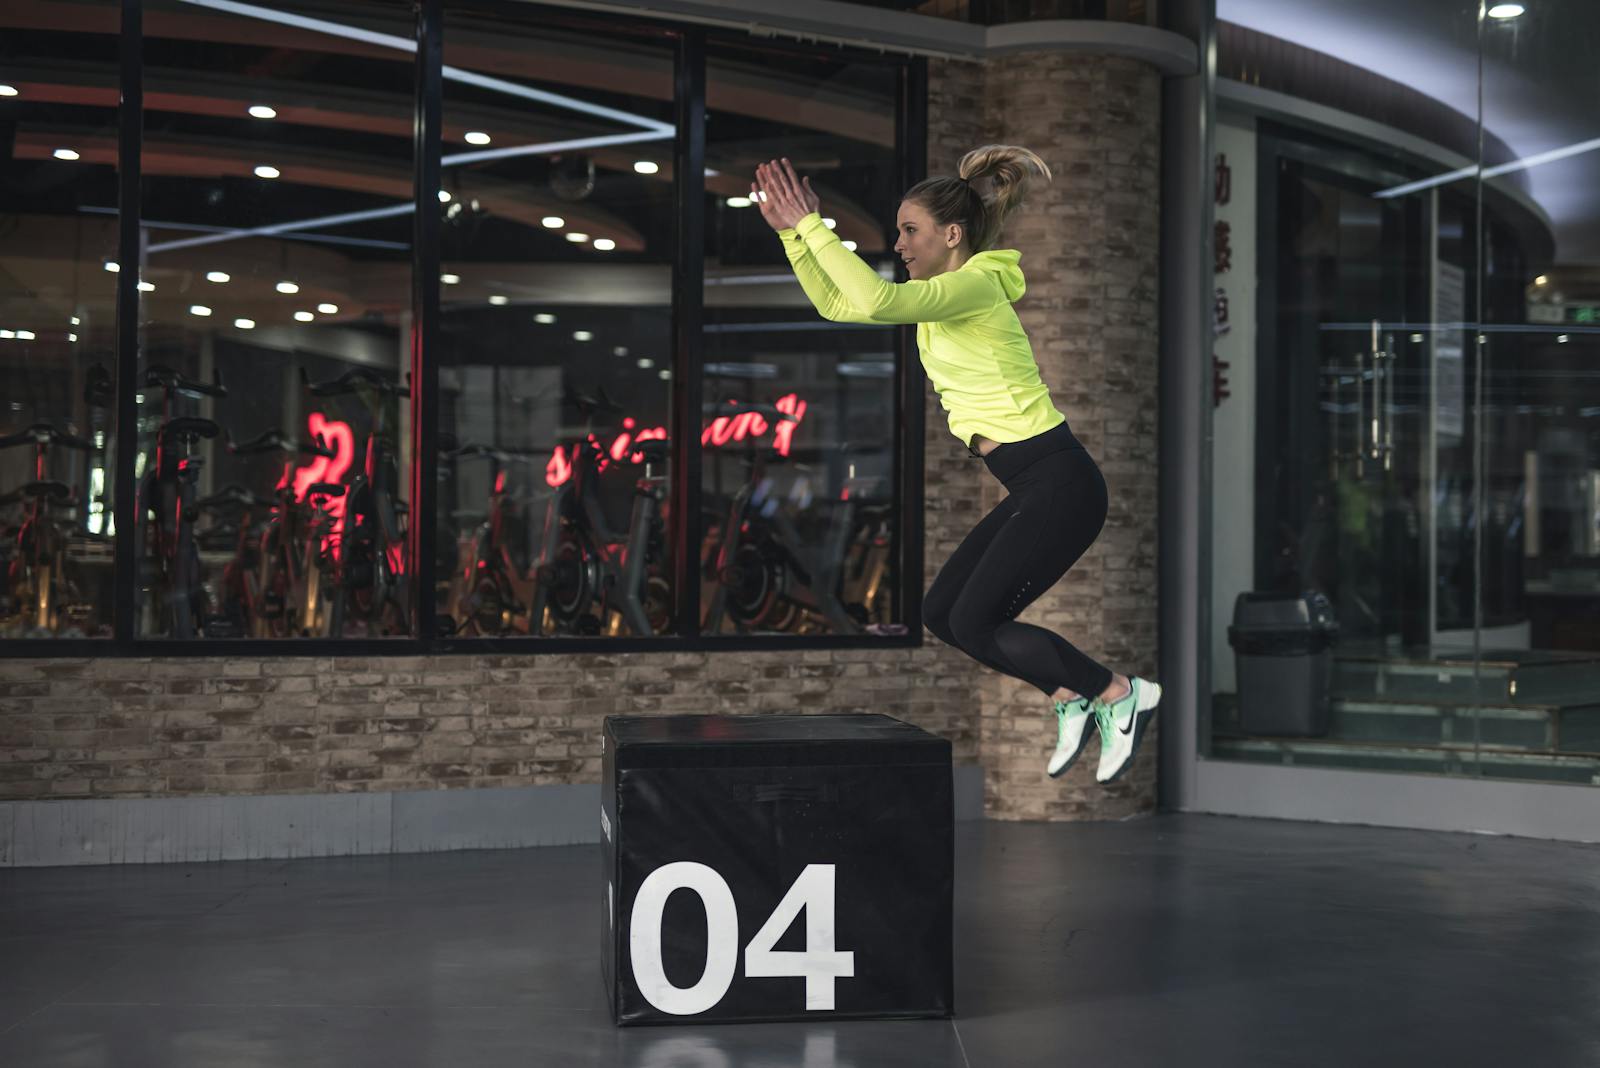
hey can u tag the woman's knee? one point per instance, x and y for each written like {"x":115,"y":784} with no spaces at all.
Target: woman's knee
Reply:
{"x":969,"y":627}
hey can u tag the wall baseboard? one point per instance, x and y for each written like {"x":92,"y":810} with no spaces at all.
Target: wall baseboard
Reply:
{"x":164,"y":830}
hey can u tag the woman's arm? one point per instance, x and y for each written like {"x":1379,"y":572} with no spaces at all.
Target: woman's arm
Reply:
{"x":952,"y":295}
{"x":824,"y":295}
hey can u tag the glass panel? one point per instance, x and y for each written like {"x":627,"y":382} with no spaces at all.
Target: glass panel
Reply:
{"x":274,"y":445}
{"x":59,"y":68}
{"x":800,"y":535}
{"x":556,"y":334}
{"x":1538,"y":714}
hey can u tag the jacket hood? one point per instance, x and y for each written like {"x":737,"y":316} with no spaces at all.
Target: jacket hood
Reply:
{"x":1002,"y":264}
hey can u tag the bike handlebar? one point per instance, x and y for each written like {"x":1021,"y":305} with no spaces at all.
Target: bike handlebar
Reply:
{"x":45,"y":434}
{"x":276,"y":440}
{"x":353,"y":381}
{"x":172,"y":380}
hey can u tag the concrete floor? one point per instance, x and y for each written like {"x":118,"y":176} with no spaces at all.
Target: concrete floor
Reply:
{"x":1180,"y":940}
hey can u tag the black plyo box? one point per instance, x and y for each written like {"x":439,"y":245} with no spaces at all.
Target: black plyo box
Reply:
{"x":776,"y":868}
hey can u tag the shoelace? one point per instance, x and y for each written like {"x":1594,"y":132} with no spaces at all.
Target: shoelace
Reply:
{"x":1107,"y":721}
{"x":1063,"y":710}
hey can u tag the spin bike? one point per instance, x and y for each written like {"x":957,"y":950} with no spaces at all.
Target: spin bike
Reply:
{"x":585,"y":570}
{"x":368,"y":553}
{"x":166,"y":508}
{"x":766,"y":576}
{"x":493,"y":586}
{"x":36,"y":577}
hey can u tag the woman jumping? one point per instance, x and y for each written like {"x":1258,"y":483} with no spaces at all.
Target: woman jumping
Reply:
{"x":979,"y":360}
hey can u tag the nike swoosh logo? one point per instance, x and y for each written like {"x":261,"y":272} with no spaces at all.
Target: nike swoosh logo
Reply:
{"x":1131,"y":721}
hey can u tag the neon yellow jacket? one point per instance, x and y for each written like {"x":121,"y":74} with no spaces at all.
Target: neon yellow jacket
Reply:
{"x":974,"y":350}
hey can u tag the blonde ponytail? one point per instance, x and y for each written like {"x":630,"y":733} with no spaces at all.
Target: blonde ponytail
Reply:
{"x":991,"y":183}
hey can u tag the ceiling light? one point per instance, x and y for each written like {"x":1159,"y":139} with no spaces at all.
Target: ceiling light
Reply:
{"x":581,"y":335}
{"x":24,"y":335}
{"x":576,"y":237}
{"x":64,"y":153}
{"x":303,"y":316}
{"x":261,"y":111}
{"x":645,"y":363}
{"x":477,"y":137}
{"x":112,"y":266}
{"x":1543,"y":279}
{"x":1561,"y":339}
{"x":218,"y":276}
{"x":664,"y":374}
{"x":450,"y":279}
{"x":147,"y":287}
{"x":739,"y":202}
{"x":199,"y":309}
{"x":498,"y":300}
{"x":72,"y":337}
{"x":604,"y":244}
{"x":245,"y":324}
{"x":444,"y":197}
{"x":1505,"y":11}
{"x":328,"y":309}
{"x":851,"y":245}
{"x":75,"y":320}
{"x":265,"y":171}
{"x":829,"y":223}
{"x":544,"y":317}
{"x":8,"y":90}
{"x":1416,"y":339}
{"x":712,"y":172}
{"x":620,"y":350}
{"x":8,"y":335}
{"x":646,"y":166}
{"x":553,"y":222}
{"x":288,"y":287}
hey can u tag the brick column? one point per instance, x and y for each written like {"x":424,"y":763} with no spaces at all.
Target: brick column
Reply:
{"x":1089,"y":244}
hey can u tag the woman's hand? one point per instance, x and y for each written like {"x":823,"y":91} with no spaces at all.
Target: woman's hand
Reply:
{"x":783,"y":196}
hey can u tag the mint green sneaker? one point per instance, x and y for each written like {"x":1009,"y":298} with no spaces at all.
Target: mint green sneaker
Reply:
{"x":1071,"y":719}
{"x":1122,"y":726}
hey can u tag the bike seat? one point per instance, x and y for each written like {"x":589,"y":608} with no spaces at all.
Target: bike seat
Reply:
{"x":172,"y":380}
{"x":654,"y":450}
{"x":44,"y":434}
{"x":593,"y":404}
{"x":325,"y":489}
{"x":191,"y":428}
{"x":276,"y":440}
{"x":353,"y":380}
{"x":51,"y":489}
{"x":234,"y":494}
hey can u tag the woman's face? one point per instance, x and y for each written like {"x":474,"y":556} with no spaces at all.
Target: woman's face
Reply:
{"x":927,"y":249}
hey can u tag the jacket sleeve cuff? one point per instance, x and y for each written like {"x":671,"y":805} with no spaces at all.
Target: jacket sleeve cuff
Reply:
{"x":812,"y":228}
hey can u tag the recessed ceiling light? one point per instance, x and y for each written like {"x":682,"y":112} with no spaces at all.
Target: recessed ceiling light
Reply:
{"x":712,"y":172}
{"x":8,"y":335}
{"x":1543,"y":279}
{"x":544,"y":317}
{"x":739,"y":202}
{"x":261,"y":111}
{"x":620,"y":350}
{"x":72,"y":337}
{"x":1505,"y":11}
{"x":288,"y":287}
{"x":64,"y":153}
{"x":245,"y":324}
{"x":25,"y":335}
{"x":147,"y":287}
{"x":498,"y":299}
{"x":851,"y":245}
{"x":604,"y":244}
{"x":265,"y":171}
{"x":112,"y":266}
{"x":75,"y":320}
{"x":829,"y":223}
{"x":199,"y":309}
{"x":576,"y":237}
{"x":477,"y":137}
{"x":303,"y":316}
{"x":553,"y":222}
{"x":328,"y":309}
{"x":582,"y":335}
{"x":444,"y":196}
{"x":646,"y":166}
{"x":450,"y":279}
{"x":1561,"y":339}
{"x":664,"y":374}
{"x":218,"y":276}
{"x":8,"y":90}
{"x":645,"y":363}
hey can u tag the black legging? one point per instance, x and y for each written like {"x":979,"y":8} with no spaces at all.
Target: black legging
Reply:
{"x":1055,"y":510}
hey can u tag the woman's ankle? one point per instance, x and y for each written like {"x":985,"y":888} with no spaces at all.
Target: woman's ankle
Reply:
{"x":1119,"y":688}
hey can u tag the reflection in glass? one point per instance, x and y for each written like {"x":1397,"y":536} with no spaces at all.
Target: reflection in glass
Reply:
{"x":556,"y":330}
{"x":274,"y":320}
{"x":58,"y":197}
{"x":798,"y":445}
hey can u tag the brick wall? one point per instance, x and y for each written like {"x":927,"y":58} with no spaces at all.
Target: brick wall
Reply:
{"x":160,"y":728}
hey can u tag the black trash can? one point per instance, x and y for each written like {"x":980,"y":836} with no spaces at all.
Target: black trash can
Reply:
{"x":1282,"y":644}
